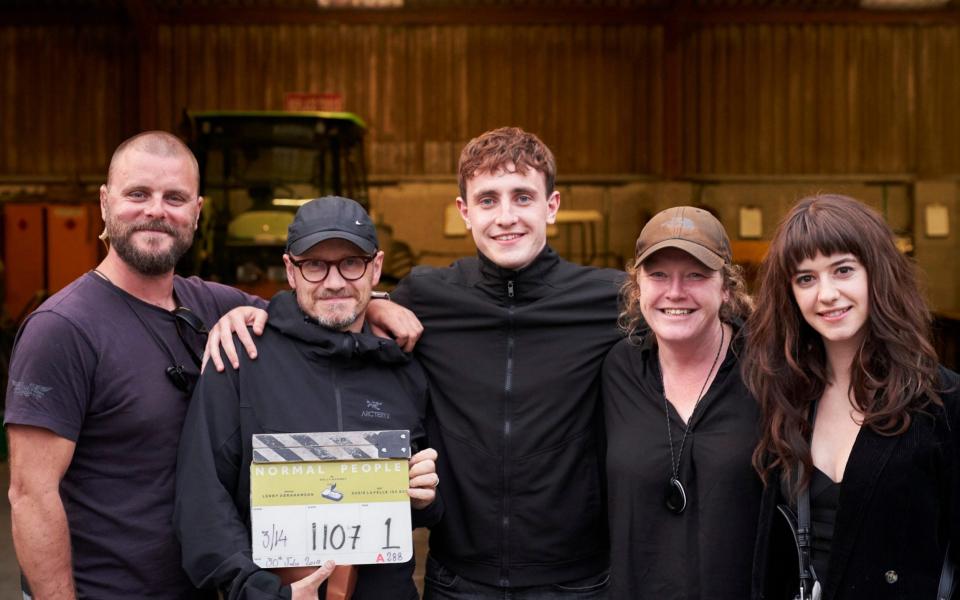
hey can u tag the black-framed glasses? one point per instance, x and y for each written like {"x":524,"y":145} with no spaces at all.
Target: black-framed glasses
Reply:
{"x":193,"y":334}
{"x":314,"y":270}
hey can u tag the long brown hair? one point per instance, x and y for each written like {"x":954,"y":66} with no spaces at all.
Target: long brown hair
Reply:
{"x":785,"y":367}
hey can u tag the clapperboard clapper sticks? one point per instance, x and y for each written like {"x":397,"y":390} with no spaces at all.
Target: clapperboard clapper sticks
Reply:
{"x":335,"y":495}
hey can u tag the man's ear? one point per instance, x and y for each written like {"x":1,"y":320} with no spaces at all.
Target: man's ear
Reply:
{"x":462,"y":207}
{"x":103,"y":202}
{"x":553,"y":205}
{"x":196,"y":223}
{"x":377,"y":268}
{"x":291,"y":278}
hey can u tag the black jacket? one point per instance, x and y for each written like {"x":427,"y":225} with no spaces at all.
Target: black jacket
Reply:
{"x":514,"y":359}
{"x":307,"y":378}
{"x":899,"y":506}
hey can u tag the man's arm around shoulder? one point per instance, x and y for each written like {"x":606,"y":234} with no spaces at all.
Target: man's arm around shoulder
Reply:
{"x":38,"y":461}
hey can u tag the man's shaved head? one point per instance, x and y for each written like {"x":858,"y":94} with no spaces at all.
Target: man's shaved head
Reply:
{"x":159,"y":143}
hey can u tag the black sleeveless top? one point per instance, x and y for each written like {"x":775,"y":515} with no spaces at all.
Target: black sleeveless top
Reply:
{"x":824,"y":499}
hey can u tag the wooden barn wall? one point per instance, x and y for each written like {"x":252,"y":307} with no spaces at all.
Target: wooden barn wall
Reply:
{"x":938,"y":102}
{"x":750,"y":99}
{"x":821,"y":99}
{"x":802,"y":99}
{"x":64,"y":103}
{"x":592,"y":92}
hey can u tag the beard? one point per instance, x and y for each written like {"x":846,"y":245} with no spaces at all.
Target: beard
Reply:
{"x":338,"y":322}
{"x":338,"y":319}
{"x":146,"y":261}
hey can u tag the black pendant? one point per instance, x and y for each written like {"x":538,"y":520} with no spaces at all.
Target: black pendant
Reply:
{"x":676,"y":496}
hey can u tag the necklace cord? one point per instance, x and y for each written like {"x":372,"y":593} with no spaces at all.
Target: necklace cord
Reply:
{"x":675,"y":461}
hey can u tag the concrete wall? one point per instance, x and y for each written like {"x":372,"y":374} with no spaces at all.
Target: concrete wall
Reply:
{"x":937,"y":256}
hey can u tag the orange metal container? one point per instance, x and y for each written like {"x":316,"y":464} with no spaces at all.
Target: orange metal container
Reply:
{"x":46,"y":246}
{"x":24,"y":253}
{"x":72,"y":244}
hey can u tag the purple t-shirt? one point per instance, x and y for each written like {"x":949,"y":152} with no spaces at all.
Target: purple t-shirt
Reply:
{"x":87,"y":367}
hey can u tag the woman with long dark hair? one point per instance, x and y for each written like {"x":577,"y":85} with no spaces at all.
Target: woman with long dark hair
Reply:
{"x":860,"y":424}
{"x":682,"y":496}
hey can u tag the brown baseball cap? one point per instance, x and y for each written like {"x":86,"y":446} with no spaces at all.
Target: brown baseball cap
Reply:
{"x":693,"y":230}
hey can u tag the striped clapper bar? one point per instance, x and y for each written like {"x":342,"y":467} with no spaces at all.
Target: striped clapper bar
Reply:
{"x":335,"y":495}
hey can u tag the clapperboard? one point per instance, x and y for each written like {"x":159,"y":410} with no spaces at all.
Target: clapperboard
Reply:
{"x":336,"y":495}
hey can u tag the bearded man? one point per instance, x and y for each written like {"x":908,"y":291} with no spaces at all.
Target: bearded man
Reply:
{"x":100,"y":380}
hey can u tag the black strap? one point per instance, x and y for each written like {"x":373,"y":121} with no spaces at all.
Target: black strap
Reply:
{"x":181,"y":379}
{"x":804,"y":538}
{"x":153,"y":334}
{"x":808,"y":577}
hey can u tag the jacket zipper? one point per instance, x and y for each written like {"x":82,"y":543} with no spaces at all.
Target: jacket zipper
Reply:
{"x":507,"y":389}
{"x":336,"y":394}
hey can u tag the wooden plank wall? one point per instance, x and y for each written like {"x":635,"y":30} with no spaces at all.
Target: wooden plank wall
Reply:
{"x":63,"y":103}
{"x":753,"y":98}
{"x":761,"y":99}
{"x":938,"y":102}
{"x":589,"y":91}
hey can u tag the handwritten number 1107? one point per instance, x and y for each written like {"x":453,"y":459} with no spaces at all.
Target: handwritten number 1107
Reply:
{"x":334,"y":538}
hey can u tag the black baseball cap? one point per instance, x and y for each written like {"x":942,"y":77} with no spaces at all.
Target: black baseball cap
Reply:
{"x":327,"y":218}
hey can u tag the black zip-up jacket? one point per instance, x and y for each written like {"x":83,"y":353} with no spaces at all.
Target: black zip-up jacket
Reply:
{"x":307,"y":378}
{"x":514,"y":359}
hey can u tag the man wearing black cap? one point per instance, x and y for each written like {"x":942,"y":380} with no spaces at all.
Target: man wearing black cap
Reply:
{"x":320,"y":370}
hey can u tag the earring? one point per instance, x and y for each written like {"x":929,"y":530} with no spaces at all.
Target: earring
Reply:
{"x":467,"y":224}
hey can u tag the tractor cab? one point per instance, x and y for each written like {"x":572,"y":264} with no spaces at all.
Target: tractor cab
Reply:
{"x":256,"y":169}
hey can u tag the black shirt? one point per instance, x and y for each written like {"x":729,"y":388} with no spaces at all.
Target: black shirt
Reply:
{"x":706,"y":551}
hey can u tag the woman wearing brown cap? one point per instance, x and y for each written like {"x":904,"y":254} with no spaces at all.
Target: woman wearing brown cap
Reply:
{"x":681,"y":426}
{"x":861,"y":435}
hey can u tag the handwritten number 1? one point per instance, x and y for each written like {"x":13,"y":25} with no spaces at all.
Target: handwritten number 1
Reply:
{"x":388,"y":546}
